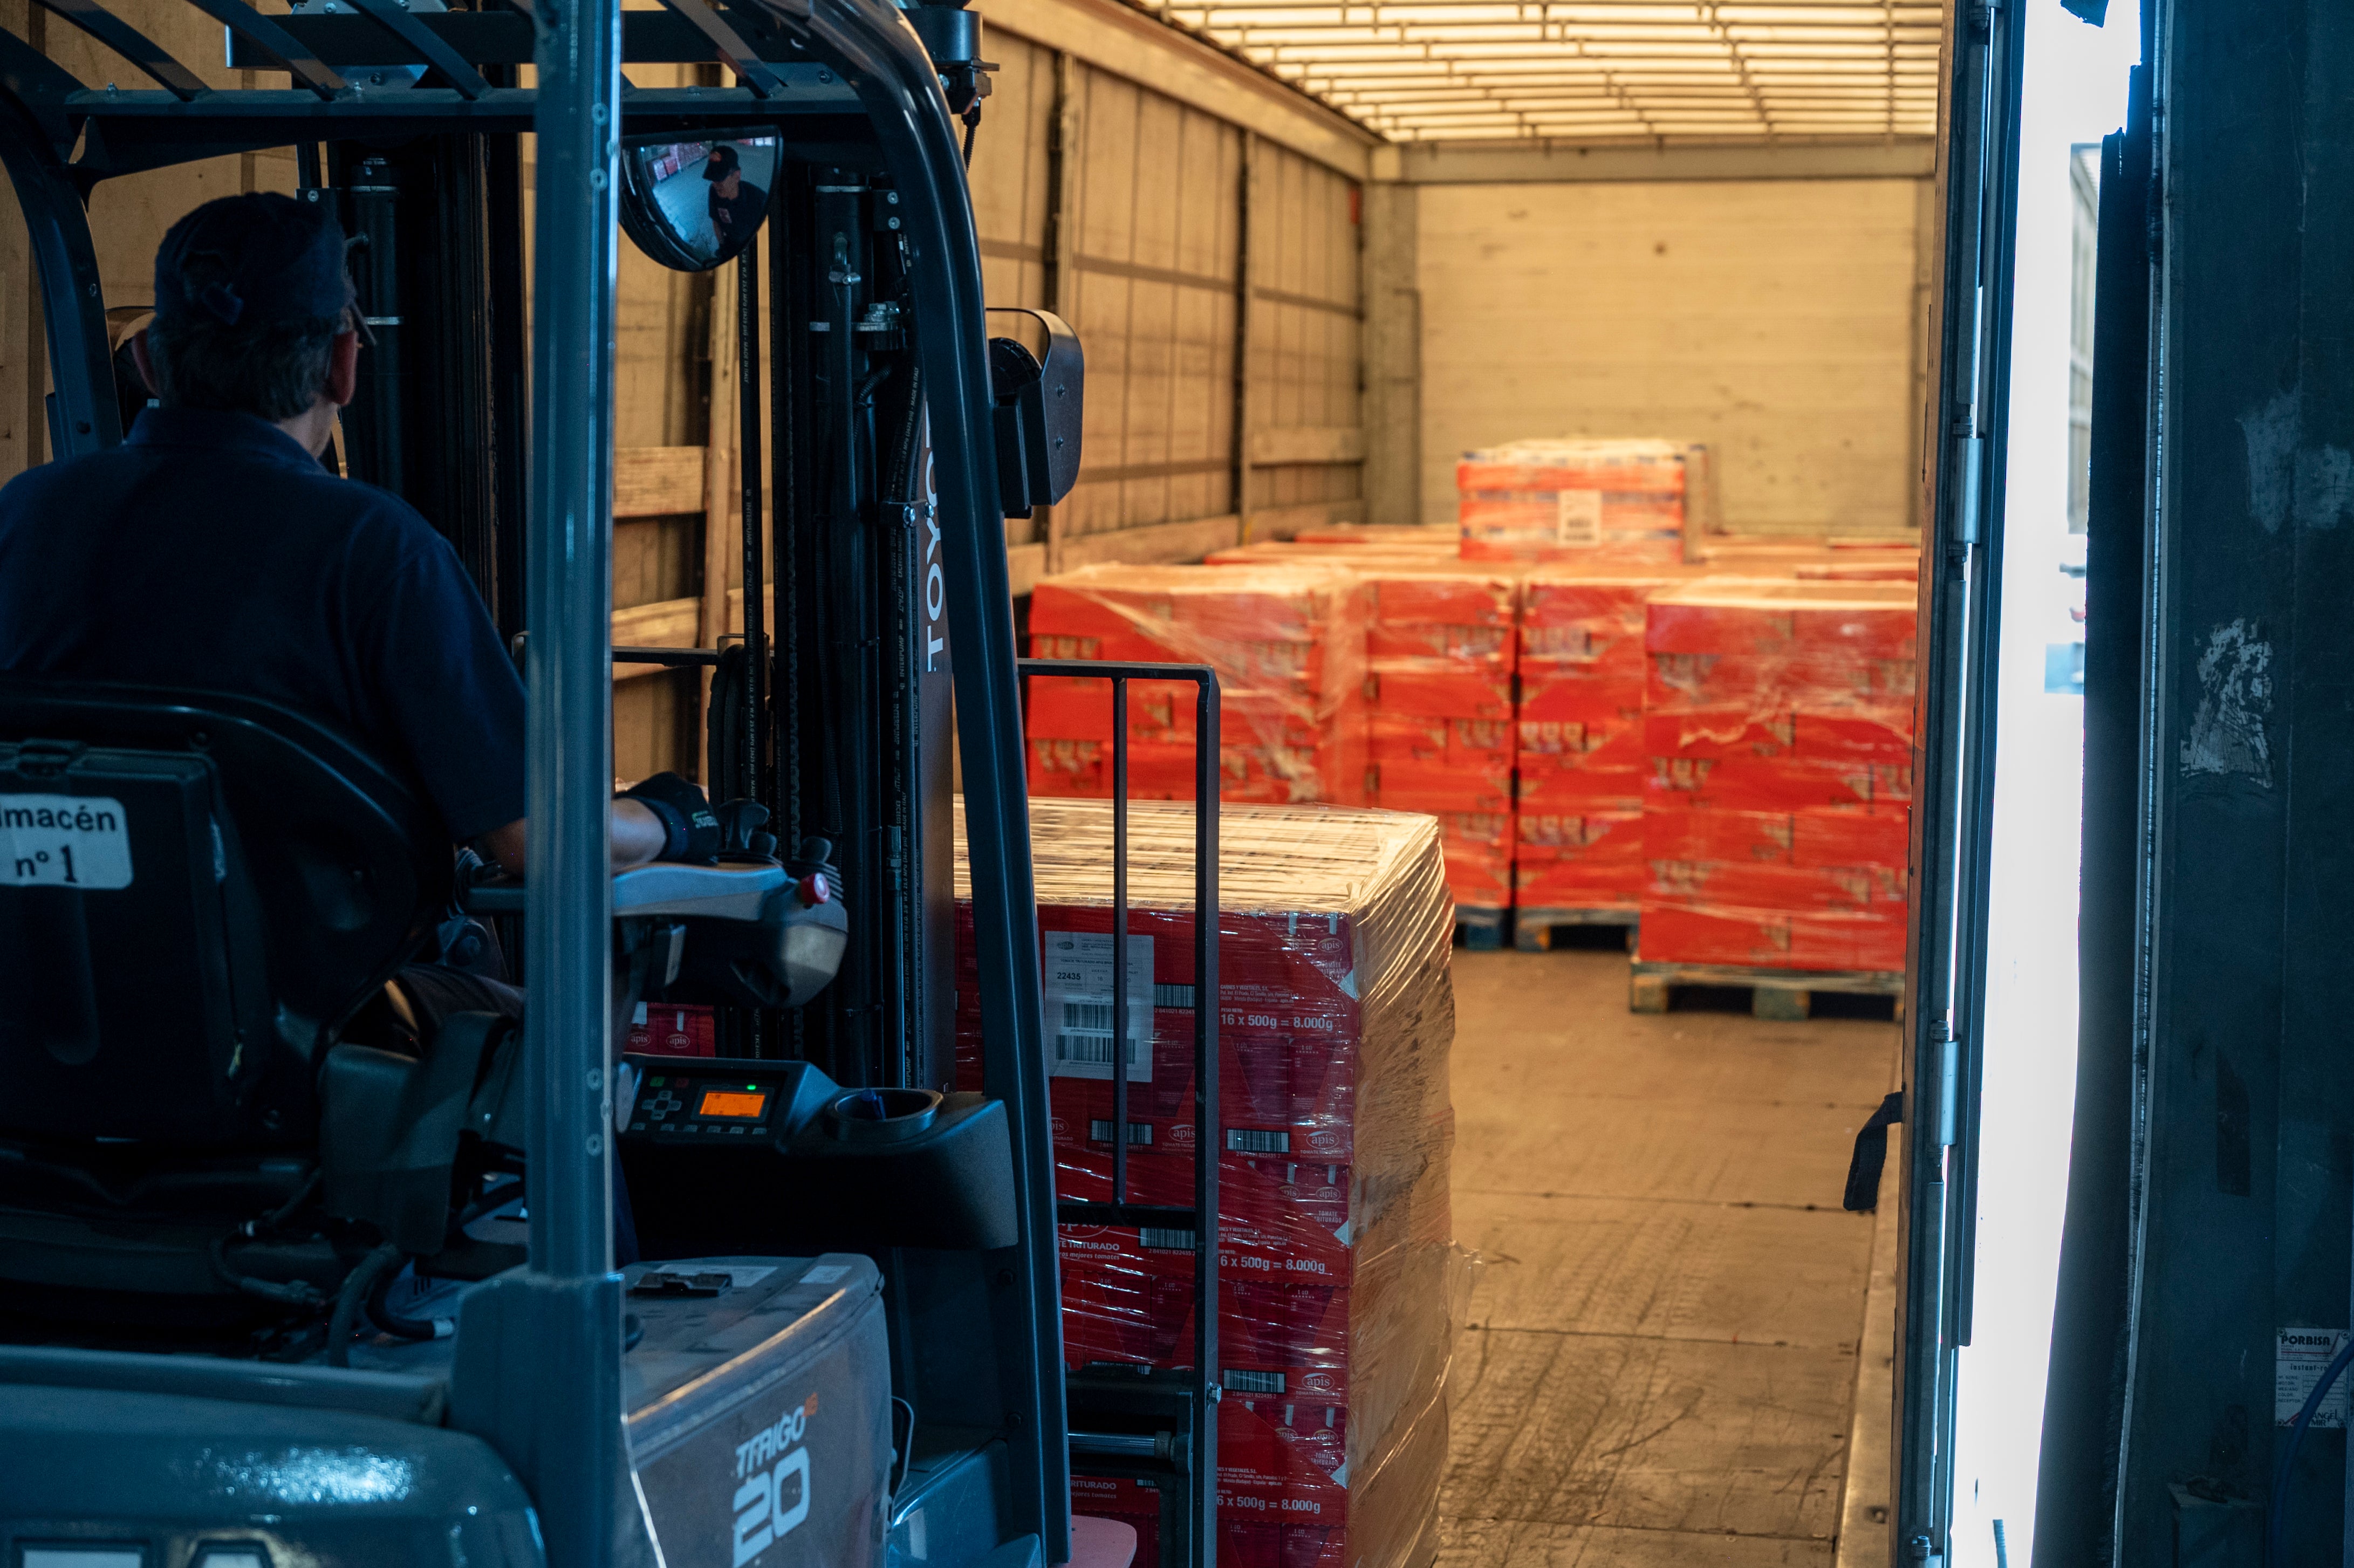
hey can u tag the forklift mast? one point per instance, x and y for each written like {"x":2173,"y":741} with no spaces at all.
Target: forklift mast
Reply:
{"x":889,"y":658}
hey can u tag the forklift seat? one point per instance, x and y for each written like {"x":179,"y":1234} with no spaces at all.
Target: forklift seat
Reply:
{"x":197,"y":891}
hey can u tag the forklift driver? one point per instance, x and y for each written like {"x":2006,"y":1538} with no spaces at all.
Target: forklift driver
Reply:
{"x":212,"y":551}
{"x":737,"y":204}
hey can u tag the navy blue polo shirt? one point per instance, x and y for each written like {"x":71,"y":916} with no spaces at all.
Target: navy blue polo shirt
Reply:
{"x":211,"y":551}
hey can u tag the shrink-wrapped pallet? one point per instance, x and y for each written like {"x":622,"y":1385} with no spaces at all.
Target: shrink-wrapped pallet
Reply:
{"x":1573,"y":500}
{"x":1579,"y":736}
{"x":1779,"y":724}
{"x":1336,"y":1017}
{"x":1286,"y":640}
{"x":1440,"y":647}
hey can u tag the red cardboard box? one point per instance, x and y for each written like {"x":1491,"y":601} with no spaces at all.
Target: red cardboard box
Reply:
{"x":1479,"y":851}
{"x":1286,"y":640}
{"x":1825,"y":837}
{"x":1573,"y":500}
{"x":1778,"y":722}
{"x":1590,"y":862}
{"x":673,"y":1029}
{"x":1770,"y":938}
{"x":1440,"y":652}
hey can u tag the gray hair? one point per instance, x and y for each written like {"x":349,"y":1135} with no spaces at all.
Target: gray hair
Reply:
{"x":276,"y":371}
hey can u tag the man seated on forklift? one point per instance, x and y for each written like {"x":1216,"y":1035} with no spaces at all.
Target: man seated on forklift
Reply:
{"x":737,"y":204}
{"x":212,"y":551}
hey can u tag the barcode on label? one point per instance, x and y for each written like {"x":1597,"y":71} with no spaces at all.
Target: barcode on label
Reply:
{"x":1241,"y":1379}
{"x":1100,"y":1131}
{"x":1256,"y":1140}
{"x":1097,"y":1014}
{"x":1163,"y":1240}
{"x":1096,"y":1050}
{"x":1079,"y":983}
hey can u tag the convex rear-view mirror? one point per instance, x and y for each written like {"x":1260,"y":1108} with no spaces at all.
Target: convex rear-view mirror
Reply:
{"x":693,"y":204}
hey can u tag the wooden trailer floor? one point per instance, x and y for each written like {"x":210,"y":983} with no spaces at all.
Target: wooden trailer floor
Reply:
{"x":1661,"y":1358}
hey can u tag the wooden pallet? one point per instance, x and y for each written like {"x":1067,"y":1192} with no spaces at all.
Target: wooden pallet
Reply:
{"x":1785,"y":995}
{"x":1482,"y":930}
{"x":1532,"y":928}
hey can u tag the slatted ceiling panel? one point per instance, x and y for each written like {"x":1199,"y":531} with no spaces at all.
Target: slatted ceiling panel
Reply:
{"x":1599,"y":70}
{"x":1305,"y":329}
{"x":1152,"y":295}
{"x":1009,"y":173}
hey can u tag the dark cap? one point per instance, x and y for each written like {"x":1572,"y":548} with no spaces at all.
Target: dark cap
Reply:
{"x":258,"y":260}
{"x":722,"y":163}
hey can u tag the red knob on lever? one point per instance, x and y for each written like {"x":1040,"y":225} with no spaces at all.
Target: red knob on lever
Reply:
{"x":815,"y":890}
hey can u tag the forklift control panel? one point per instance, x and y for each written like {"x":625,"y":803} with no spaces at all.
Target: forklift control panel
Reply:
{"x":823,"y":1163}
{"x":702,"y":1107}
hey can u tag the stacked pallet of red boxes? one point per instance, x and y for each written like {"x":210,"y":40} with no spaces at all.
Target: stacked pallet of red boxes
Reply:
{"x":1582,"y":756}
{"x":1778,"y":722}
{"x":1440,"y":647}
{"x":1587,"y":501}
{"x":1336,"y":1017}
{"x":1288,"y":643}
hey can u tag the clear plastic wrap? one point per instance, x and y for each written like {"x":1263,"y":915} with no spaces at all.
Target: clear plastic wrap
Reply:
{"x":1572,"y":499}
{"x":1440,"y":651}
{"x":1582,"y":759}
{"x":1289,"y":644}
{"x":1779,"y":726}
{"x":1337,"y":1272}
{"x":1437,"y":539}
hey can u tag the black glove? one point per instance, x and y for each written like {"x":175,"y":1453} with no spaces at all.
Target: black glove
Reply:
{"x":690,"y":831}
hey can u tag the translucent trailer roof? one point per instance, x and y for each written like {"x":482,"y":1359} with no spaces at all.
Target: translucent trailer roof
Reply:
{"x":1648,"y":72}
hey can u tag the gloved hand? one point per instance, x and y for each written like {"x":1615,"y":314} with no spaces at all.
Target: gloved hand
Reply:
{"x":690,"y":830}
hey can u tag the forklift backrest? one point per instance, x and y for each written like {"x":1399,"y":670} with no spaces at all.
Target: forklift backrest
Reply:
{"x":197,"y":891}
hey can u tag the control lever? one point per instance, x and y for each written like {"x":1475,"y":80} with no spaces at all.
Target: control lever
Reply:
{"x":814,"y":874}
{"x":741,"y":833}
{"x":793,"y":950}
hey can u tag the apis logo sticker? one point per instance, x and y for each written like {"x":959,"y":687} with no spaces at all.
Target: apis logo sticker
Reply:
{"x":773,"y":1496}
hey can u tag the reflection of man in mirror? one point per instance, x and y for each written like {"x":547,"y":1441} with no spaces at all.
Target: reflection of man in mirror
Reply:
{"x":736,"y":204}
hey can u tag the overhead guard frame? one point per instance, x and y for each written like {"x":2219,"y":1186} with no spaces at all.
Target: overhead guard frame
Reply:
{"x":846,"y":81}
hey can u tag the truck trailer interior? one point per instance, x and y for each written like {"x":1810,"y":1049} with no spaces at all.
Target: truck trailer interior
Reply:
{"x":1497,"y":784}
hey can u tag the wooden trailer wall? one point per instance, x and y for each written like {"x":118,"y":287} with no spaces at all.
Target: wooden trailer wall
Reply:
{"x":1199,"y":225}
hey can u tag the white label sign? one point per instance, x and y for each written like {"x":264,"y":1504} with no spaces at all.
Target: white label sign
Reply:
{"x":2300,"y":1358}
{"x":63,"y":840}
{"x":1579,"y":519}
{"x":1079,"y":1004}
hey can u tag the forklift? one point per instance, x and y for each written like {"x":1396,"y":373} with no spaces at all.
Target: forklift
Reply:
{"x":275,"y":1291}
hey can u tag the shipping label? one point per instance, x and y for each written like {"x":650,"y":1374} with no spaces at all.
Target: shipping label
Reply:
{"x":1578,"y":520}
{"x":1078,"y":994}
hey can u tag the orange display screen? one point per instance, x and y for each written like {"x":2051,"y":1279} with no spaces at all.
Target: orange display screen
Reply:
{"x":732,"y":1102}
